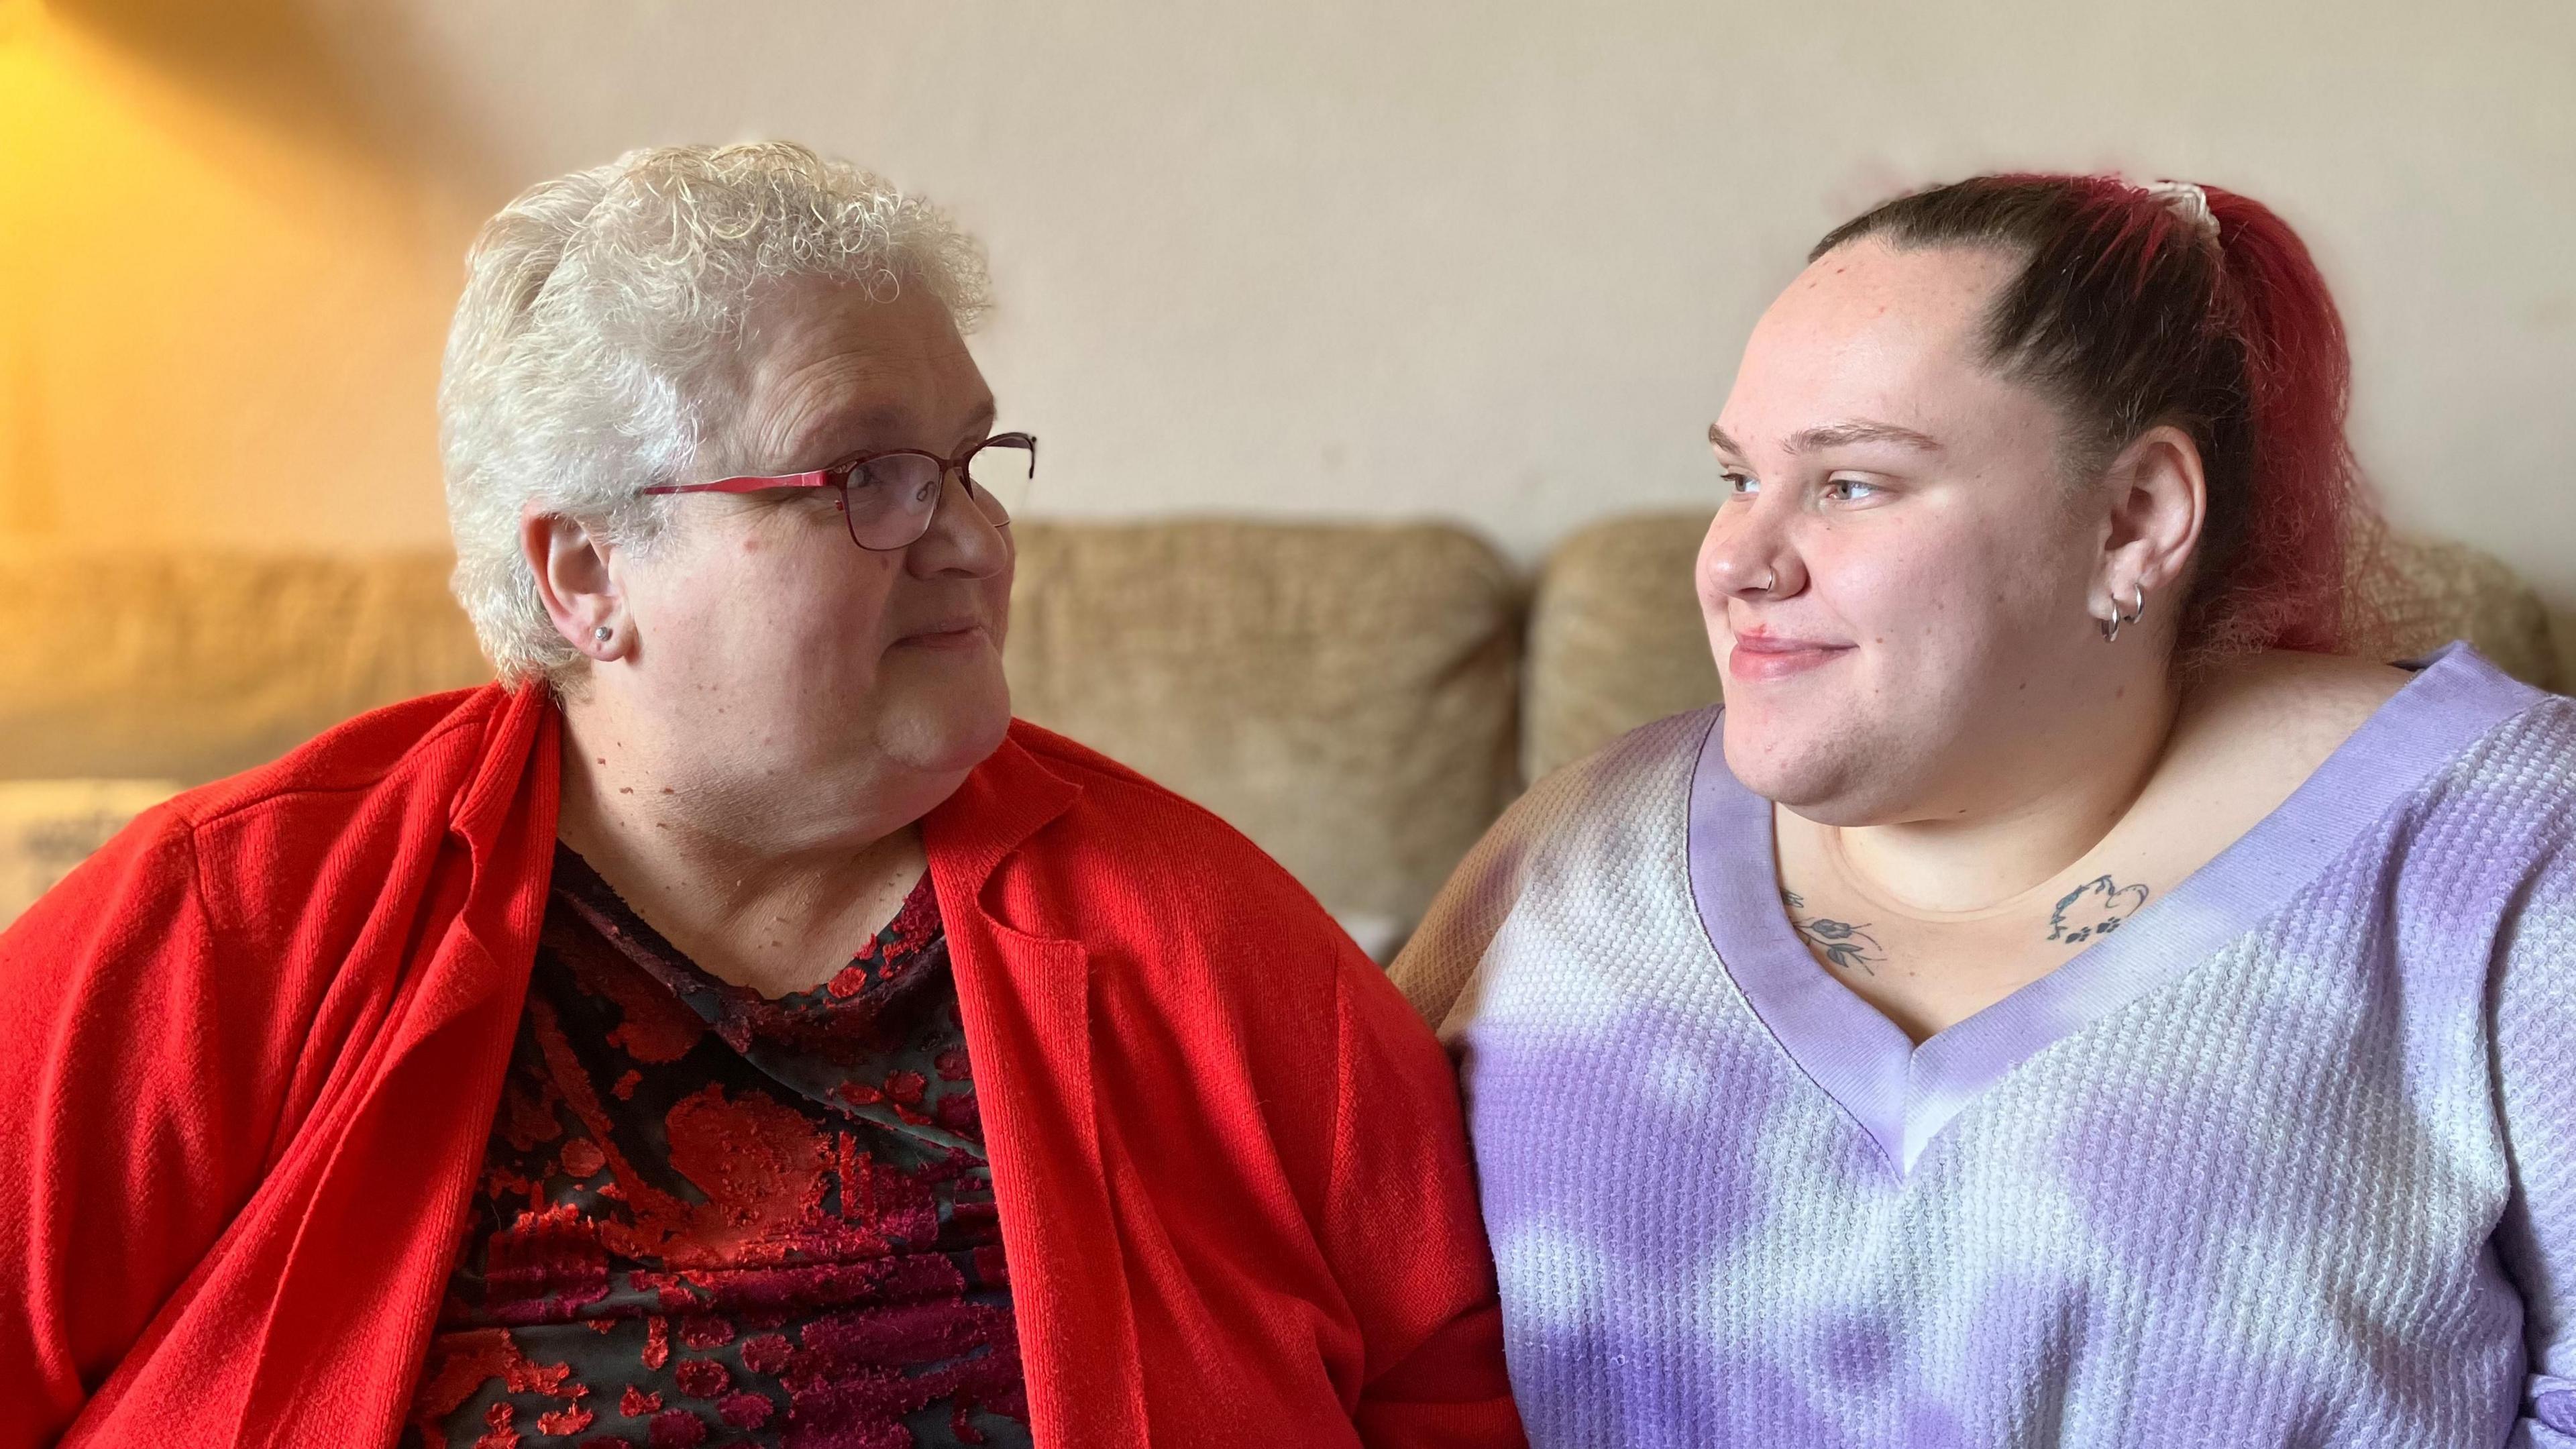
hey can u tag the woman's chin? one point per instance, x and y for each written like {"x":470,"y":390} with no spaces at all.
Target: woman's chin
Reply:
{"x":1788,"y":763}
{"x":951,"y":735}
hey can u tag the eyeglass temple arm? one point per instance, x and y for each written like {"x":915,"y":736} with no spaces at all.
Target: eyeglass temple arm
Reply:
{"x":823,"y":478}
{"x":820,"y":479}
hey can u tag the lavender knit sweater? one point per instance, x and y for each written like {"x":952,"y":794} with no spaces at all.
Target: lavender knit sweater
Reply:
{"x":2288,"y":1160}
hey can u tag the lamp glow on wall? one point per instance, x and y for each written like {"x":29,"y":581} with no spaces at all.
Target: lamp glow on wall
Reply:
{"x":207,"y":298}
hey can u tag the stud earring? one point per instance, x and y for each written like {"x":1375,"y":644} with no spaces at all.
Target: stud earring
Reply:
{"x":603,"y":633}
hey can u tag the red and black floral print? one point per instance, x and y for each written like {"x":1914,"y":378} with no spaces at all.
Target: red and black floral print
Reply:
{"x":708,"y":1217}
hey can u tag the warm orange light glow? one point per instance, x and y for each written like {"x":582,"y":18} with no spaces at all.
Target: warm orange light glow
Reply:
{"x":211,"y":330}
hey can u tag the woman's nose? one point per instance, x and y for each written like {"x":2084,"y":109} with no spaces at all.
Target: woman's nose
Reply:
{"x":960,"y":539}
{"x":1746,"y":558}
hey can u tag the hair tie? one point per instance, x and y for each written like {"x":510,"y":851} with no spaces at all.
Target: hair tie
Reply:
{"x":2188,"y":201}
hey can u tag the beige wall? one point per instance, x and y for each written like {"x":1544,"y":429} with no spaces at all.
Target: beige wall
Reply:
{"x":1485,"y":261}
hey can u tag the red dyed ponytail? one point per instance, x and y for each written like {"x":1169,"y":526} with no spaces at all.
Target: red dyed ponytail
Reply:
{"x":2288,"y":586}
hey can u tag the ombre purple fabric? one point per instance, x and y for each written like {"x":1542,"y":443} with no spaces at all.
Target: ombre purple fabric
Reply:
{"x":2286,"y":1160}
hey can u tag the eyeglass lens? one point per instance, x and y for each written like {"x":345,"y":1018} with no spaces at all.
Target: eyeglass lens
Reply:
{"x":890,"y":499}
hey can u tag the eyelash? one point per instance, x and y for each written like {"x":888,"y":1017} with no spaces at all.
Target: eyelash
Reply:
{"x":1740,"y":485}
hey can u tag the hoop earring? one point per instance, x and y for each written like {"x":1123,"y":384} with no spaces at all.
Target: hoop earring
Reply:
{"x":2138,"y":610}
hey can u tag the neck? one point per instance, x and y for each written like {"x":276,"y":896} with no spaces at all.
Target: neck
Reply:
{"x":772,"y":889}
{"x":2038,"y":809}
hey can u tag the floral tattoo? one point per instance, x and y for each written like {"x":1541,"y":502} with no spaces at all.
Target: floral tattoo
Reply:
{"x":1841,"y":943}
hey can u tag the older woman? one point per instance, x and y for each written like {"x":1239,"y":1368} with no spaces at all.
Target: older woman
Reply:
{"x":2053,"y":1001}
{"x":731,"y":1026}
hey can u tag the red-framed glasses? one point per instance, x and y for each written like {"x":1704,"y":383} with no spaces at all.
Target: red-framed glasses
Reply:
{"x":889,"y":498}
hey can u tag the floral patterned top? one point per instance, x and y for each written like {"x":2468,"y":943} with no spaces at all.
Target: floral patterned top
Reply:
{"x":711,"y":1217}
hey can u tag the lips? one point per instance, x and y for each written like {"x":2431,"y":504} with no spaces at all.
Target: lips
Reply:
{"x":962,"y":633}
{"x":1776,"y":656}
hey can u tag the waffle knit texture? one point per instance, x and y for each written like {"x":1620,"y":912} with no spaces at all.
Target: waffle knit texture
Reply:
{"x":2314,"y":1186}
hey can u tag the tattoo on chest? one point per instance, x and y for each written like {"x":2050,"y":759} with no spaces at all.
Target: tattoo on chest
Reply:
{"x":1841,"y":943}
{"x":2095,"y":908}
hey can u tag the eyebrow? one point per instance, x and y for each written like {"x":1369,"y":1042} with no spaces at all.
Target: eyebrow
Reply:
{"x":1837,"y":435}
{"x":876,"y":422}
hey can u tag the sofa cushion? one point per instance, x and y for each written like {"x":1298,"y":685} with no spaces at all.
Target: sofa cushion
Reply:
{"x":1343,"y":694}
{"x":190,"y":666}
{"x":1614,"y":638}
{"x":1616,"y":641}
{"x":2433,"y":591}
{"x":49,"y":826}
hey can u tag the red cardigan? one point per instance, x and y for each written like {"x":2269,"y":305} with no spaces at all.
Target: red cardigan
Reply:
{"x":249,"y":1055}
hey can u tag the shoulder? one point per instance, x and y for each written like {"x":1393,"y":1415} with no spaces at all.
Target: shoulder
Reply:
{"x":2500,"y":830}
{"x":1647,"y":764}
{"x":2503,"y":752}
{"x":1620,"y":815}
{"x":2486,"y":847}
{"x":1097,"y":773}
{"x":358,"y":754}
{"x":229,"y":846}
{"x":215,"y":898}
{"x":2457,"y":735}
{"x":2516,"y":780}
{"x":1189,"y":921}
{"x":1135,"y":871}
{"x":1638,"y":785}
{"x":1653,"y":751}
{"x":1126,"y":827}
{"x":2272,"y":718}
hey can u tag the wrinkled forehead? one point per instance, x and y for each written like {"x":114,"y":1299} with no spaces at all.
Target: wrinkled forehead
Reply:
{"x":1871,"y":332}
{"x":824,"y":370}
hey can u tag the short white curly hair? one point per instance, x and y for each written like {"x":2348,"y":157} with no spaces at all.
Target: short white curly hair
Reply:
{"x":592,"y":351}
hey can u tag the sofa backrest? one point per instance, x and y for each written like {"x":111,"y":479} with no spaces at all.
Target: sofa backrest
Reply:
{"x":192,"y":666}
{"x":1342,"y":693}
{"x":1353,"y":697}
{"x":1345,"y":695}
{"x":1615,"y":638}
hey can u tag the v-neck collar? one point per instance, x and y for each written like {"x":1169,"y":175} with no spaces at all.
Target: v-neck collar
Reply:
{"x":1903,"y":1094}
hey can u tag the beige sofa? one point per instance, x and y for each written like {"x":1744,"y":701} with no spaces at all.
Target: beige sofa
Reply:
{"x":1360,"y":699}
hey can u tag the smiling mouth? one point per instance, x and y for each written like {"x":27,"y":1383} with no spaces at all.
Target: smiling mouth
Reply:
{"x":1757,"y":656}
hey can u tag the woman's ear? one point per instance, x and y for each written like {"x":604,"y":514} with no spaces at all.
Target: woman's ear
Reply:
{"x":2159,"y":500}
{"x":570,"y":562}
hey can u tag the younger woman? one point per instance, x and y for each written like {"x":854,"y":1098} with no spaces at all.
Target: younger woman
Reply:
{"x":2056,"y":1000}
